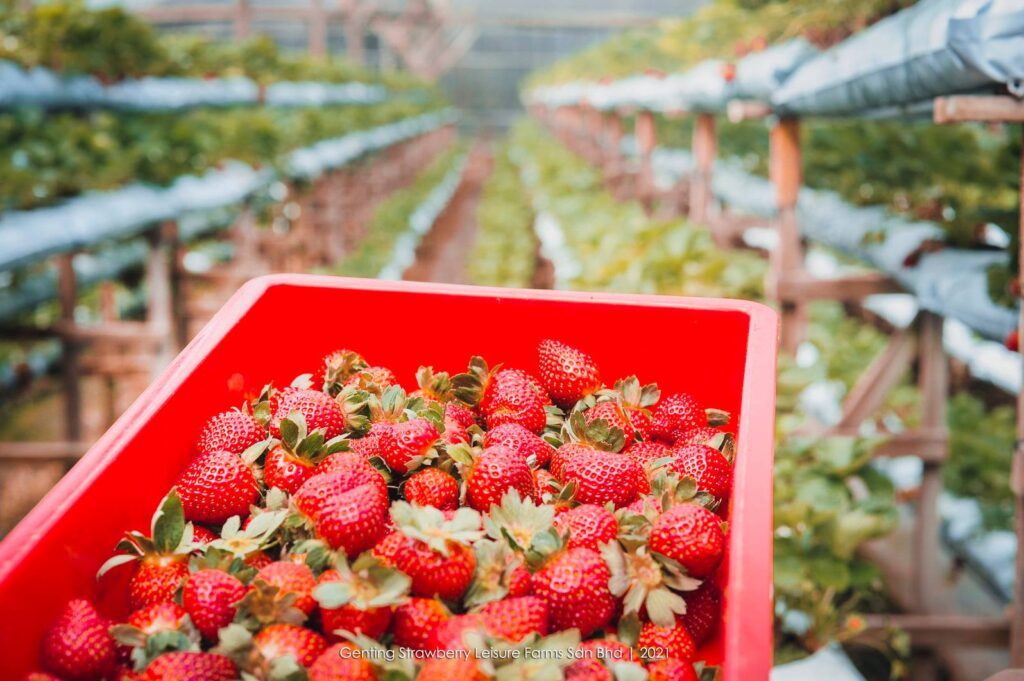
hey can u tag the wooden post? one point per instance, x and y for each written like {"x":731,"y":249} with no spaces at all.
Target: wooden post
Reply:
{"x":243,"y":19}
{"x":160,"y":308}
{"x":67,"y":286}
{"x":787,"y":258}
{"x":317,"y":28}
{"x":1017,"y":477}
{"x":704,"y":150}
{"x":647,"y":139}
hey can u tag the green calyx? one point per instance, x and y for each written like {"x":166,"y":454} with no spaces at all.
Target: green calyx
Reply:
{"x":364,"y":585}
{"x":495,"y":564}
{"x":312,"y":447}
{"x":597,"y":433}
{"x":469,"y":386}
{"x":339,"y":367}
{"x":528,"y":529}
{"x":169,"y":535}
{"x":428,"y":525}
{"x":646,"y":580}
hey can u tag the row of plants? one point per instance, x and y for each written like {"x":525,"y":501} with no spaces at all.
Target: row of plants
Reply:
{"x":391,"y":219}
{"x":505,"y":247}
{"x":46,"y":158}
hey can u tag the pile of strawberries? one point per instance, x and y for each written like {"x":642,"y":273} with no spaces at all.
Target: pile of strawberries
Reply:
{"x":494,"y":524}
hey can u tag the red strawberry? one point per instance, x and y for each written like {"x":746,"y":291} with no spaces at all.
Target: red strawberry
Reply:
{"x":543,"y":481}
{"x":230,"y":431}
{"x":358,"y":598}
{"x":588,"y":526}
{"x":575,"y":585}
{"x":279,"y":640}
{"x":158,"y":617}
{"x":217,"y":486}
{"x":679,"y":413}
{"x":614,"y":416}
{"x":41,"y":676}
{"x":156,"y":579}
{"x":567,"y":374}
{"x":211,"y":597}
{"x":516,"y":618}
{"x":660,"y":642}
{"x":404,"y":446}
{"x":520,"y":582}
{"x":519,"y":439}
{"x":699,"y":436}
{"x":503,"y":396}
{"x":460,"y":414}
{"x":432,"y":487}
{"x":588,"y":669}
{"x":595,"y":656}
{"x":348,"y":506}
{"x":342,"y":662}
{"x":336,"y":368}
{"x":203,"y":535}
{"x":415,"y":621}
{"x":285,"y":470}
{"x":290,"y":577}
{"x":635,"y":402}
{"x":449,"y":634}
{"x":493,"y":473}
{"x":373,"y":379}
{"x":77,"y":646}
{"x":706,"y":465}
{"x":671,"y":669}
{"x":368,"y":446}
{"x":451,"y":669}
{"x":319,"y":410}
{"x":703,"y":612}
{"x":434,"y":574}
{"x":602,"y":477}
{"x":690,"y":535}
{"x":646,"y":453}
{"x":190,"y":667}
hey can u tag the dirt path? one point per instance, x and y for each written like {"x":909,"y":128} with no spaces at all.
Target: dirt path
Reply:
{"x":442,"y":254}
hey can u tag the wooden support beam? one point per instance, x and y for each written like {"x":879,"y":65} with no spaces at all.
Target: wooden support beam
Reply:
{"x":243,"y":19}
{"x":946,"y":630}
{"x":1017,"y":472}
{"x":802,"y":287}
{"x":118,"y":365}
{"x":160,"y":302}
{"x":705,"y":147}
{"x":647,"y":140}
{"x":787,"y":260}
{"x":881,"y":376}
{"x":978,"y":109}
{"x":67,"y":291}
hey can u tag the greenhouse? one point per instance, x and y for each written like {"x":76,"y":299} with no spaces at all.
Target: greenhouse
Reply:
{"x":461,"y":340}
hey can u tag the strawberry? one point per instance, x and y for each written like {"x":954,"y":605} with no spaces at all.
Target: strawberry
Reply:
{"x":342,"y":662}
{"x":503,"y":396}
{"x":703,"y":612}
{"x":520,"y":582}
{"x":202,"y":535}
{"x":434,"y":552}
{"x":667,"y":642}
{"x":594,"y":657}
{"x":679,"y":413}
{"x":500,"y":572}
{"x":155,"y":580}
{"x":451,"y":669}
{"x":41,"y":676}
{"x":432,"y":487}
{"x":546,"y":486}
{"x":575,"y":585}
{"x":671,"y":669}
{"x":318,"y":409}
{"x":416,"y":620}
{"x":374,"y":380}
{"x":187,"y":666}
{"x":77,"y":646}
{"x":294,"y":459}
{"x":603,"y":477}
{"x":347,"y":507}
{"x":211,"y":597}
{"x":279,"y":640}
{"x":359,"y":598}
{"x":152,"y":619}
{"x":566,"y":373}
{"x":635,"y":402}
{"x":492,"y":473}
{"x":456,"y":412}
{"x":588,"y":526}
{"x":230,"y":431}
{"x":690,"y":535}
{"x":646,"y":453}
{"x":706,"y":465}
{"x":335,"y":368}
{"x":516,"y":618}
{"x":519,"y":439}
{"x":291,"y":578}
{"x":405,"y":446}
{"x":450,"y":634}
{"x":368,"y":445}
{"x":614,"y":415}
{"x":216,"y":486}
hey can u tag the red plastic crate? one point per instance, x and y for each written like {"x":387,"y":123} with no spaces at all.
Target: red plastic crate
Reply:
{"x":275,"y":328}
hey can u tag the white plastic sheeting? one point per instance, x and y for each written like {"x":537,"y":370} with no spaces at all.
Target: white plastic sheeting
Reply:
{"x":760,"y":74}
{"x":828,"y":663}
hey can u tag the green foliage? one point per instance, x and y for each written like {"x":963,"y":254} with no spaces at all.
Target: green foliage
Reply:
{"x":505,"y":250}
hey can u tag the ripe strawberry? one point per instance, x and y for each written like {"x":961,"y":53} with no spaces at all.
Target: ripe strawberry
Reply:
{"x":575,"y":585}
{"x":699,"y":436}
{"x":588,"y":669}
{"x":519,"y":439}
{"x":567,"y":374}
{"x":404,"y":446}
{"x":155,"y":580}
{"x":348,"y":506}
{"x":203,"y":535}
{"x":671,"y":669}
{"x":217,"y":486}
{"x":335,"y":368}
{"x":451,"y":669}
{"x":503,"y":396}
{"x":432,"y":487}
{"x":492,"y":473}
{"x":279,"y":640}
{"x":77,"y":646}
{"x":703,"y":612}
{"x":545,"y":484}
{"x":660,"y":642}
{"x":588,"y":526}
{"x":449,"y":635}
{"x":210,"y":597}
{"x":319,"y":410}
{"x":359,"y":597}
{"x":368,"y":446}
{"x":690,"y":535}
{"x":434,"y":574}
{"x":152,"y":619}
{"x":41,"y":676}
{"x":374,"y":380}
{"x":342,"y":662}
{"x":291,"y":578}
{"x":189,"y":666}
{"x":460,"y":414}
{"x":596,"y":656}
{"x":516,"y":618}
{"x":602,"y":477}
{"x":416,"y":620}
{"x":646,"y":453}
{"x":230,"y":431}
{"x":614,"y":416}
{"x":706,"y":465}
{"x":285,"y":470}
{"x":679,"y":413}
{"x":520,"y":582}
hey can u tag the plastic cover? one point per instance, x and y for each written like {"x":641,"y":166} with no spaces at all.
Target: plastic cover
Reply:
{"x":760,"y":74}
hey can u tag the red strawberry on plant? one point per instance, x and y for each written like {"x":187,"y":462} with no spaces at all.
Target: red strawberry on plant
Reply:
{"x":319,"y":410}
{"x":491,"y":473}
{"x":671,"y":669}
{"x":519,"y":439}
{"x":703,"y":612}
{"x":291,"y":578}
{"x":568,"y":374}
{"x":230,"y":431}
{"x":680,"y":413}
{"x":217,"y":486}
{"x":190,"y":666}
{"x":77,"y":645}
{"x":211,"y":598}
{"x":347,"y":506}
{"x":161,"y":559}
{"x":589,"y":526}
{"x":706,"y":465}
{"x":515,"y":618}
{"x":692,"y":536}
{"x":279,"y":640}
{"x":415,"y":621}
{"x":432,"y":487}
{"x":672,"y":642}
{"x":358,"y":598}
{"x":293,"y":460}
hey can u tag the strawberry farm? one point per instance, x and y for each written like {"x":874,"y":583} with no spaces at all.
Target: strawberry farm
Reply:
{"x":423,"y":340}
